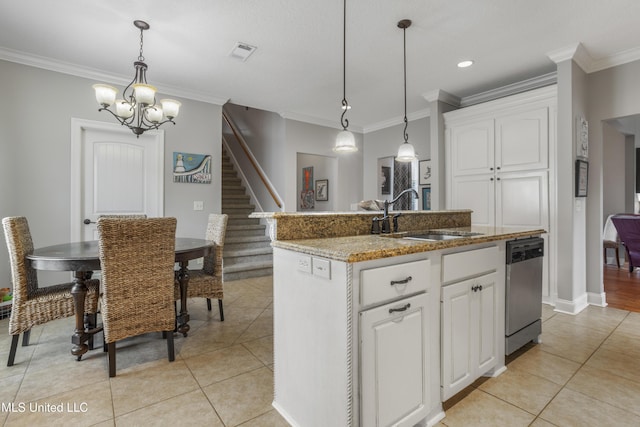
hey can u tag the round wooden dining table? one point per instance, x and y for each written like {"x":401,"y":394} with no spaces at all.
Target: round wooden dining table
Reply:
{"x":82,"y":258}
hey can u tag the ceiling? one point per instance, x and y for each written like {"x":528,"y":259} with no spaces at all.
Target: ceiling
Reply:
{"x":297,"y":69}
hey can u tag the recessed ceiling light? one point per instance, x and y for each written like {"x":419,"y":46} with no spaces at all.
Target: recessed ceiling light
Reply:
{"x":242,"y":51}
{"x":465,"y":64}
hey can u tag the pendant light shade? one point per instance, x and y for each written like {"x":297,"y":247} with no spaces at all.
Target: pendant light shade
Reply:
{"x":406,"y":152}
{"x":345,"y":141}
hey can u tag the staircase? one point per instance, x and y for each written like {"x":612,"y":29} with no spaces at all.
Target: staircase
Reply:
{"x":247,"y":250}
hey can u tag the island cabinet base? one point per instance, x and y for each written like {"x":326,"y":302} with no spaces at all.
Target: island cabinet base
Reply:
{"x":356,"y":344}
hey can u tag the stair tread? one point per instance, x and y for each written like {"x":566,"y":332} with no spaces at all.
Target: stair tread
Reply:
{"x":247,"y":266}
{"x":245,"y":239}
{"x":248,"y":251}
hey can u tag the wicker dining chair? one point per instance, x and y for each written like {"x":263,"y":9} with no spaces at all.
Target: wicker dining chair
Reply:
{"x":137,"y":258}
{"x":208,"y":283}
{"x":33,"y":305}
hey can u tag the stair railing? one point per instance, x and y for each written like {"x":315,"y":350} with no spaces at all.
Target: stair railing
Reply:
{"x":252,"y":160}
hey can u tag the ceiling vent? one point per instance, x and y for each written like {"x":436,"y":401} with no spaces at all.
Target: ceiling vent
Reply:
{"x":242,"y":51}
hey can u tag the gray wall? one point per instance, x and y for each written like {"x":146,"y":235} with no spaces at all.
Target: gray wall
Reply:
{"x":385,"y":143}
{"x":35,"y":140}
{"x":319,"y":140}
{"x":613,"y":171}
{"x":613,"y":93}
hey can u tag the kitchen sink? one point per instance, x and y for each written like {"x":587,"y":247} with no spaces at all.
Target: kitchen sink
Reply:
{"x":438,"y":236}
{"x":432,"y":237}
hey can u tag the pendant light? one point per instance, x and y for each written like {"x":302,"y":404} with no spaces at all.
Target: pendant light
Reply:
{"x":345,"y":141}
{"x":406,"y":152}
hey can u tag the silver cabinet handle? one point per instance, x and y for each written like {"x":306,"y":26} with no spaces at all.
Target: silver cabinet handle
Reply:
{"x":403,"y":308}
{"x":401,"y":282}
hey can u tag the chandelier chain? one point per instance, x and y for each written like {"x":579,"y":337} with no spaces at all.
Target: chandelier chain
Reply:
{"x":140,"y":56}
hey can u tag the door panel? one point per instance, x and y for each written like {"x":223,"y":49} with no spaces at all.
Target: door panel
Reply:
{"x":113,"y":173}
{"x":522,"y":141}
{"x":472,"y":148}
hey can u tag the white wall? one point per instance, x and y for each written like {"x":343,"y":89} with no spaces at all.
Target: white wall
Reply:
{"x":385,"y":143}
{"x":35,"y":136}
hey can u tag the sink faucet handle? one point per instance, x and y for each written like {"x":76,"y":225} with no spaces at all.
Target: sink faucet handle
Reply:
{"x":386,"y":227}
{"x":375,"y":225}
{"x":395,"y":222}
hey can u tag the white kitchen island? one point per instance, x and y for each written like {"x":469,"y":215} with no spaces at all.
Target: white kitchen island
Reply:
{"x":358,"y":324}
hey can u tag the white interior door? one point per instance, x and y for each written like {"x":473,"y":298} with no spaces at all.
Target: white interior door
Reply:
{"x":113,"y":173}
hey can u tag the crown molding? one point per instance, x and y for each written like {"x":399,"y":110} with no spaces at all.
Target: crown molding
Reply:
{"x":441,"y":95}
{"x":420,"y":114}
{"x":93,"y":74}
{"x":512,"y":89}
{"x":579,"y":54}
{"x":290,"y":115}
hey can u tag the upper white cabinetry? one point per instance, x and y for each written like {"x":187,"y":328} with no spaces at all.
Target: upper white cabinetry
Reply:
{"x":497,"y":159}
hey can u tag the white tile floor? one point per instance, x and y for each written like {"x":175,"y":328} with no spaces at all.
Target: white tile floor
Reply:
{"x":585,"y":373}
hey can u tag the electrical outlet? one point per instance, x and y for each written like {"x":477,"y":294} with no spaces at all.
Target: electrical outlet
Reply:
{"x":198,"y":205}
{"x":304,"y":264}
{"x":322,"y":268}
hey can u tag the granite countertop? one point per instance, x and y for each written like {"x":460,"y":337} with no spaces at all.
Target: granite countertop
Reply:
{"x":369,"y":247}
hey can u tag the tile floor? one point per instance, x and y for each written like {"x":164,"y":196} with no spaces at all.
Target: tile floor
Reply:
{"x":585,"y":373}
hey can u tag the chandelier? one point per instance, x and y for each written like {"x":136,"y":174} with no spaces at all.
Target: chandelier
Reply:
{"x":345,"y":141}
{"x":138,"y":109}
{"x":406,"y":152}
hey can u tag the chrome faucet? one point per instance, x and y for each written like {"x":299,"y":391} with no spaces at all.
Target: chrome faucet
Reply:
{"x":386,"y":227}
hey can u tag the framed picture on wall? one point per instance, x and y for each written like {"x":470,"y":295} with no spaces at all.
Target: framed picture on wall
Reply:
{"x":426,"y":198}
{"x":582,"y":178}
{"x":322,"y":190}
{"x":385,"y":186}
{"x":425,"y":172}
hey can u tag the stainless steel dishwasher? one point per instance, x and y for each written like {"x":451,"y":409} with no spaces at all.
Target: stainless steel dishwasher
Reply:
{"x":524,"y":292}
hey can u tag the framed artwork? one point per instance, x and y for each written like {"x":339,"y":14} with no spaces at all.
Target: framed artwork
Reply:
{"x":582,"y":138}
{"x":426,"y":198}
{"x":307,"y":200}
{"x":322,"y":190}
{"x":582,"y":178}
{"x":192,"y":168}
{"x":385,"y":187}
{"x":425,"y":172}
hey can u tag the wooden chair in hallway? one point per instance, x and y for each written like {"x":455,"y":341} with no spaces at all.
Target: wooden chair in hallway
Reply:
{"x":137,"y":258}
{"x":611,"y":240}
{"x":33,"y":305}
{"x":207,"y":283}
{"x":628,"y":226}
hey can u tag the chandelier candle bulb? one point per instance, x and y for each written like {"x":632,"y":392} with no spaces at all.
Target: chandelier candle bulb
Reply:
{"x":145,"y":94}
{"x":171,"y":108}
{"x":105,"y":94}
{"x":154,"y":114}
{"x":123,"y":109}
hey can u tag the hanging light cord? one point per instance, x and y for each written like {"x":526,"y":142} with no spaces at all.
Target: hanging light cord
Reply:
{"x":345,"y":105}
{"x":406,"y":122}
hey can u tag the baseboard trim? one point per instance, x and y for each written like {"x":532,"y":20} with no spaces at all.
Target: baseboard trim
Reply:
{"x":599,"y":300}
{"x":572,"y":307}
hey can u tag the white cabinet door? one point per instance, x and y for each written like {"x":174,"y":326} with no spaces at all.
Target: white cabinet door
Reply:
{"x":472,"y":148}
{"x":485,"y":298}
{"x":394,"y":356}
{"x":469,"y":340}
{"x":456,"y":368}
{"x":475,"y":192}
{"x":522,"y":199}
{"x":522,"y":141}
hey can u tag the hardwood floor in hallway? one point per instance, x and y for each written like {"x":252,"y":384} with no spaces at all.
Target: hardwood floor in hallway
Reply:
{"x":621,"y":287}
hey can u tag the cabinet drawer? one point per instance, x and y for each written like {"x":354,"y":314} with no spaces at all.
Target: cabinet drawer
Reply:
{"x":393,"y":281}
{"x":461,"y":265}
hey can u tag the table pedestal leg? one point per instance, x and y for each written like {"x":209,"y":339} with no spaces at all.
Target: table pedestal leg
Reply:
{"x":79,"y":292}
{"x":183,"y":279}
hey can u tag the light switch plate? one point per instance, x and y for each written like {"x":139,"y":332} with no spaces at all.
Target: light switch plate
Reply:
{"x":198,"y":205}
{"x":322,"y":268}
{"x":304,"y":264}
